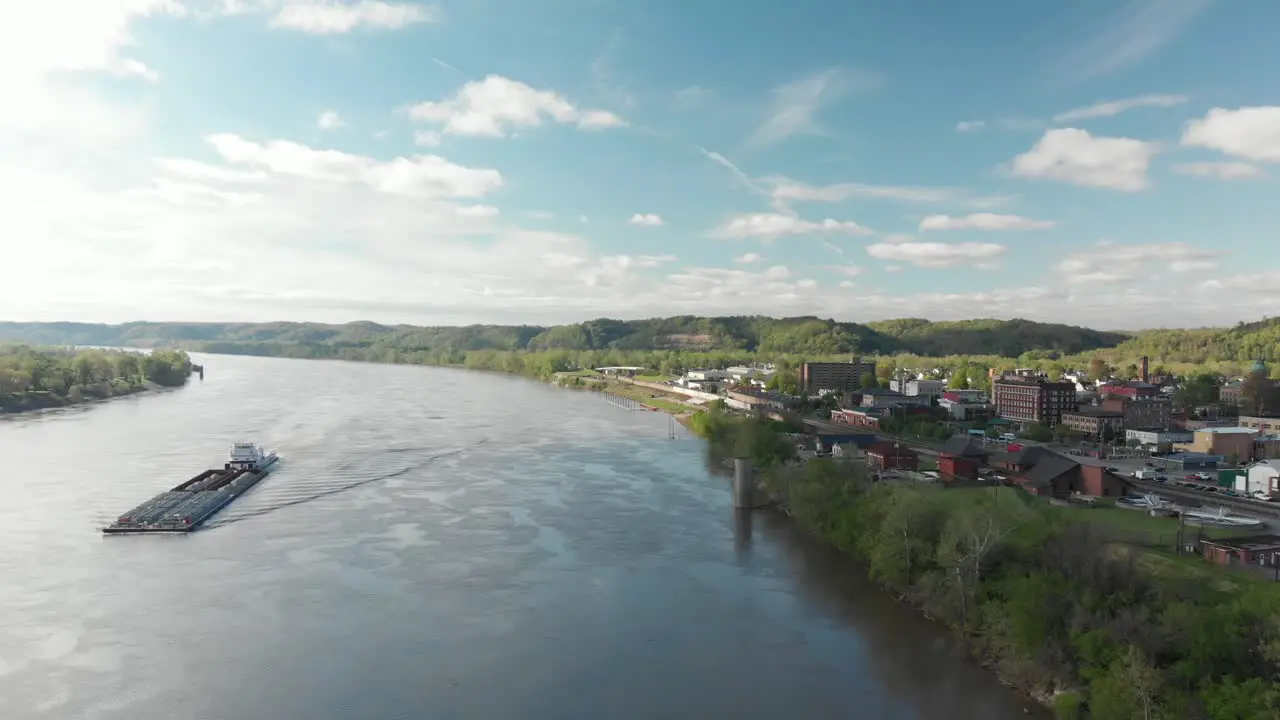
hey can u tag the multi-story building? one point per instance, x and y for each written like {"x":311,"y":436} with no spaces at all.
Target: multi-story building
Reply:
{"x":1229,"y":394}
{"x":1233,"y":443}
{"x":1155,"y":413}
{"x":1094,"y":422}
{"x":1265,"y":425}
{"x":1032,"y":399}
{"x":966,"y":410}
{"x":915,"y":387}
{"x":834,"y":375}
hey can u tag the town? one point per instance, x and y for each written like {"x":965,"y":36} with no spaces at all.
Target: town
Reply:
{"x":1153,"y":443}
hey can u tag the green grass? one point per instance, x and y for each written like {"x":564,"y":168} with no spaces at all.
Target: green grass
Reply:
{"x":644,"y":395}
{"x":655,"y":378}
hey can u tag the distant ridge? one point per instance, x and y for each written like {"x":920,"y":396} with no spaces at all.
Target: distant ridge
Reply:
{"x":797,"y":335}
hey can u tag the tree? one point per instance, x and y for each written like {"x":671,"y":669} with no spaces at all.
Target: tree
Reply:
{"x":1197,"y":391}
{"x":1258,"y":394}
{"x":1131,"y":371}
{"x":1098,"y":369}
{"x":959,"y":379}
{"x":1037,"y":432}
{"x":868,"y":381}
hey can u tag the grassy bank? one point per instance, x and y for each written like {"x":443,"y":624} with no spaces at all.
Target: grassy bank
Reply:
{"x":1087,"y":609}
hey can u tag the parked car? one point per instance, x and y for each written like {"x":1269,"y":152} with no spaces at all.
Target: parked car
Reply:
{"x":1113,"y":470}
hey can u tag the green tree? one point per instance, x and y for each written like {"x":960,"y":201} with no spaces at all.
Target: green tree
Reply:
{"x":959,"y":379}
{"x":868,"y":381}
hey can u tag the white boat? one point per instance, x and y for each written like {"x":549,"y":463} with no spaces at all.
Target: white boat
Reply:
{"x":251,"y":457}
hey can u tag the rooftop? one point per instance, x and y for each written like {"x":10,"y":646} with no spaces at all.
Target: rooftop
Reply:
{"x":1248,"y":542}
{"x":1095,"y":412}
{"x":1227,"y":430}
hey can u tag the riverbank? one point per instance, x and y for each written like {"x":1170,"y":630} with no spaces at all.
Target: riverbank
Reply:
{"x":13,"y":403}
{"x":34,"y":378}
{"x":1072,"y":612}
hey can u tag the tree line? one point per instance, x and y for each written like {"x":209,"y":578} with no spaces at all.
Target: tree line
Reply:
{"x":71,"y":375}
{"x":1074,"y":611}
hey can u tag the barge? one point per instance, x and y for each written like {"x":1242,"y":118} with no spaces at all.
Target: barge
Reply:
{"x":188,"y":505}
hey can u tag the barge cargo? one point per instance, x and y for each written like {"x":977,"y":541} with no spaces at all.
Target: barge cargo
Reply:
{"x":188,"y":505}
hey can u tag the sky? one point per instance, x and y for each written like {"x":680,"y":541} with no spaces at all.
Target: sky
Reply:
{"x":1111,"y":163}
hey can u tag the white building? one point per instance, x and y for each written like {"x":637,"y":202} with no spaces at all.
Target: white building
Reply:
{"x":1159,"y":437}
{"x":917,"y":387}
{"x":1261,"y":479}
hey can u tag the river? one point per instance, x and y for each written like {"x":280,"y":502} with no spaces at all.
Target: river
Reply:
{"x":435,"y":544}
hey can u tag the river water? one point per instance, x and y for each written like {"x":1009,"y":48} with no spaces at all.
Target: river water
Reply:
{"x":435,"y":544}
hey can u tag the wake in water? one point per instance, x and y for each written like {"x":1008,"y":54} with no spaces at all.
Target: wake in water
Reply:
{"x":314,"y":491}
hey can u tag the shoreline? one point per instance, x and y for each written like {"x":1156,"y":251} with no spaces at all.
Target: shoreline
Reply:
{"x":44,"y":401}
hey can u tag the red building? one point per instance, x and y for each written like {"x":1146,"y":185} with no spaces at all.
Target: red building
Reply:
{"x":1040,"y":471}
{"x":961,"y":458}
{"x":1032,"y":399}
{"x":1261,"y":550}
{"x":856,"y":418}
{"x":1131,"y":390}
{"x":892,"y":456}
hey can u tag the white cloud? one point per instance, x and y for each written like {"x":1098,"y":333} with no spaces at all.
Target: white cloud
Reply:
{"x":846,"y":284}
{"x":539,"y":215}
{"x":1220,"y":170}
{"x":195,"y":170}
{"x":1115,"y":107}
{"x":965,"y":126}
{"x":1132,"y":32}
{"x":935,"y":254}
{"x":1075,"y":156}
{"x":427,"y":138}
{"x":1109,"y":263}
{"x":646,"y":219}
{"x":1251,"y":133}
{"x":785,"y":190}
{"x":983,"y":221}
{"x":330,"y":17}
{"x":329,"y":120}
{"x":749,"y":258}
{"x":768,"y":226}
{"x":850,"y":270}
{"x":420,"y":175}
{"x":796,"y":104}
{"x":491,"y":106}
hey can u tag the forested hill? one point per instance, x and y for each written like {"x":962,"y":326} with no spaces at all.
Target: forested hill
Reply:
{"x":1009,"y":338}
{"x":802,"y":336}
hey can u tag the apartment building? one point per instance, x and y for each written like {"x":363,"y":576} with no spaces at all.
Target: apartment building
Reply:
{"x":816,"y":376}
{"x":1153,"y":413}
{"x":1032,"y":399}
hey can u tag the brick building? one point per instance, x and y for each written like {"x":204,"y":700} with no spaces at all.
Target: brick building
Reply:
{"x":815,"y":376}
{"x":961,"y":458}
{"x":1095,"y":422}
{"x":892,"y":456}
{"x":1149,"y":413}
{"x":1038,"y":400}
{"x":1040,"y":471}
{"x":1132,"y":390}
{"x":1263,"y":550}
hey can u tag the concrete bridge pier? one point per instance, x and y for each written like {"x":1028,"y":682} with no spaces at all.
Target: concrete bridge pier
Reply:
{"x":744,"y":484}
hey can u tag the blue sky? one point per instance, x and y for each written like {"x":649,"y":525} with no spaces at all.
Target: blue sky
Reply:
{"x":1103,"y":163}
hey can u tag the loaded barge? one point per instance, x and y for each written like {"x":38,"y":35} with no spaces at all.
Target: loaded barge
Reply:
{"x":187,"y":506}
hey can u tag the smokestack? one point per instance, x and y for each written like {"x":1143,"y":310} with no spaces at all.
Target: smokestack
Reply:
{"x":1143,"y":370}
